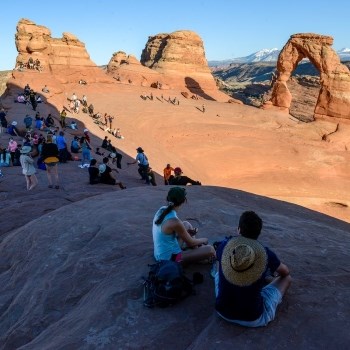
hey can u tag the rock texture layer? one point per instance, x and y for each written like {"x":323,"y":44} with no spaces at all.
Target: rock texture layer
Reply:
{"x":77,"y":283}
{"x":66,"y":58}
{"x":334,"y":96}
{"x":181,"y":57}
{"x":128,"y":69}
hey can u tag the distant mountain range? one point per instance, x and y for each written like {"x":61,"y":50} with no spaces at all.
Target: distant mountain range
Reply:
{"x":268,"y":55}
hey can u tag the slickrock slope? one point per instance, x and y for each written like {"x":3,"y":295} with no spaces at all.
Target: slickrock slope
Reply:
{"x":72,"y":279}
{"x":334,"y":97}
{"x":127,"y":69}
{"x":72,"y":259}
{"x":66,"y":57}
{"x":181,"y":58}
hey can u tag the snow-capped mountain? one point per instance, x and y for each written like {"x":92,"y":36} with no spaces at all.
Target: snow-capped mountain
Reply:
{"x":269,"y":55}
{"x":344,"y":54}
{"x":264,"y":55}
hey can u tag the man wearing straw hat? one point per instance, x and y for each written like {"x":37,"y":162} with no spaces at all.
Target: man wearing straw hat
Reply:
{"x":242,"y":296}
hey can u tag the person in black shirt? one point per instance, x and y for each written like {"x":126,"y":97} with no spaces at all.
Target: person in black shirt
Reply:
{"x":94,"y":173}
{"x":106,"y":174}
{"x":179,"y":180}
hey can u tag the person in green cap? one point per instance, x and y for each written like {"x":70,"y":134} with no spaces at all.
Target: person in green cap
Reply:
{"x":169,"y":232}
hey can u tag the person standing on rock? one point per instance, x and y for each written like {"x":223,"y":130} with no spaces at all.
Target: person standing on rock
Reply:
{"x":143,"y":164}
{"x":28,"y":168}
{"x":33,"y":101}
{"x":242,"y":294}
{"x":63,"y":116}
{"x":49,"y":155}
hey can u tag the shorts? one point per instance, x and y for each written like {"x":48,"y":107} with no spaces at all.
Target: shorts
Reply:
{"x":272,"y":297}
{"x":176,"y":257}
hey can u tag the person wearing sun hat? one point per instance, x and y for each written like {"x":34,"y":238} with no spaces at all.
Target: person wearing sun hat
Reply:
{"x":242,"y":296}
{"x":28,"y":168}
{"x":142,"y":161}
{"x":168,"y":230}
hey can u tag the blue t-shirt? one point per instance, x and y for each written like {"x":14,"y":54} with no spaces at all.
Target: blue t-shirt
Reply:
{"x":242,"y":303}
{"x":61,"y":142}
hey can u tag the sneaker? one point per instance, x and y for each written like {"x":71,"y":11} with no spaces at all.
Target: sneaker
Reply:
{"x":86,"y":165}
{"x":81,"y":166}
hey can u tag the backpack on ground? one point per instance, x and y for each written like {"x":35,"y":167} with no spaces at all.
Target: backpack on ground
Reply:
{"x":166,"y":284}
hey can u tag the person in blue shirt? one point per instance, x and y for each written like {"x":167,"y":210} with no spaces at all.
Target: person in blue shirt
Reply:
{"x":169,"y":234}
{"x":244,"y":264}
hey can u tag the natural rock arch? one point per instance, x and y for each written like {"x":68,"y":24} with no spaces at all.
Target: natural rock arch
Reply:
{"x":334,"y":96}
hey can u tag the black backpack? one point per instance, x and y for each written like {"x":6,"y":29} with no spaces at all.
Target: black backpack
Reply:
{"x":166,"y":284}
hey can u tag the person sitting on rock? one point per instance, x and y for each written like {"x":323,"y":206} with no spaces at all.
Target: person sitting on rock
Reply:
{"x":12,"y":129}
{"x":49,"y":122}
{"x":169,"y":233}
{"x":28,"y":121}
{"x":74,"y":146}
{"x":45,"y":89}
{"x":30,"y":63}
{"x":94,"y":173}
{"x":105,"y":143}
{"x":98,"y":152}
{"x":21,"y":99}
{"x":91,"y":109}
{"x":106,"y":174}
{"x":179,"y":180}
{"x":116,"y":156}
{"x":37,"y":65}
{"x":73,"y":125}
{"x":242,"y":296}
{"x":151,"y":176}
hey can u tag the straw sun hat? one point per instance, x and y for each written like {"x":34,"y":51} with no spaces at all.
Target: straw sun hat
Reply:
{"x":243,"y":261}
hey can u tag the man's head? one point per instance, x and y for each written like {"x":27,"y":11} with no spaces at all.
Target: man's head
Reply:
{"x":177,"y":171}
{"x":93,"y":162}
{"x":105,"y":160}
{"x":250,"y":225}
{"x":168,"y":166}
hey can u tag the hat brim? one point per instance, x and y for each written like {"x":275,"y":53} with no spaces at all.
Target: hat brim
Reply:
{"x":251,"y":275}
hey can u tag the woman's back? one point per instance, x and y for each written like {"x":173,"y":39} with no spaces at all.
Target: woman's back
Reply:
{"x":164,"y":244}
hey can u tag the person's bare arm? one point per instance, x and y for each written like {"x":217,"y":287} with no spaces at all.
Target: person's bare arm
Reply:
{"x":177,"y":226}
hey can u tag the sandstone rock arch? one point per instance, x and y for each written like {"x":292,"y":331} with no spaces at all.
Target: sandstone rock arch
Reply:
{"x":334,"y":96}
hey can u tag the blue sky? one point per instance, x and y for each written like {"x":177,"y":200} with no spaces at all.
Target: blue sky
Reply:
{"x":228,"y":28}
